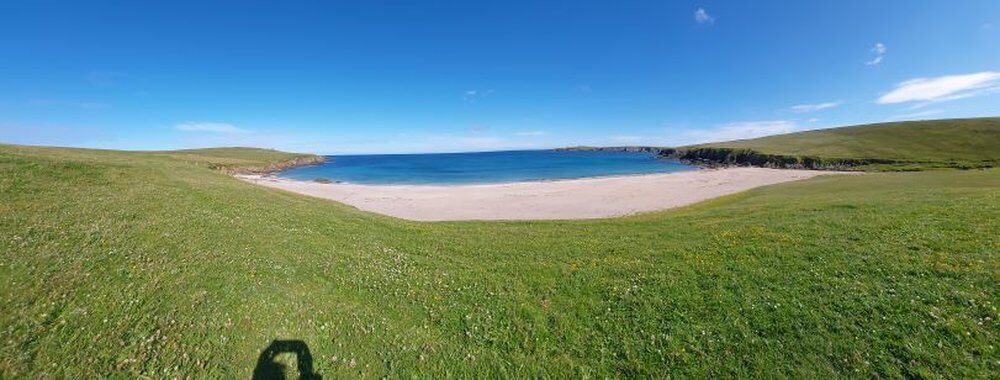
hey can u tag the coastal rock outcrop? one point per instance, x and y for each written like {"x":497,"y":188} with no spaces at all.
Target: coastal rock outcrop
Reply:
{"x":273,"y":167}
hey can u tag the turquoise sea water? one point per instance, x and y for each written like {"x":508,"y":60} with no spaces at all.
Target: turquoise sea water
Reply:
{"x":482,"y":167}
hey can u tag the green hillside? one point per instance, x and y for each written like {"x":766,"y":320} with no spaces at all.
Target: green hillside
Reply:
{"x":241,"y":159}
{"x":127,"y":264}
{"x":232,"y":156}
{"x":959,"y":141}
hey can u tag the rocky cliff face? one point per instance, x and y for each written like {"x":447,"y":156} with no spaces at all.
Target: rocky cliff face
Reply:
{"x":274,"y":167}
{"x":723,"y":157}
{"x":746,"y":157}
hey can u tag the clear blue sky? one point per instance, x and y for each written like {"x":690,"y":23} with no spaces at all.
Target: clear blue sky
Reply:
{"x":411,"y":76}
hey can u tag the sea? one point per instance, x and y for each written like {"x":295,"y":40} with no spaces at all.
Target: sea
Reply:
{"x":482,"y":167}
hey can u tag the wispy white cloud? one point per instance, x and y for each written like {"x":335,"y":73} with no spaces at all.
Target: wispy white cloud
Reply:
{"x":701,"y":16}
{"x":879,"y":50}
{"x":813,"y":120}
{"x":943,"y":88}
{"x":192,"y":126}
{"x":986,"y":26}
{"x":742,"y":130}
{"x":805,"y":108}
{"x":473,"y":95}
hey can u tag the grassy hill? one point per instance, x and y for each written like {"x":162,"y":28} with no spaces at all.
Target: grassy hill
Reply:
{"x":242,"y":159}
{"x":154,"y":264}
{"x":913,"y":144}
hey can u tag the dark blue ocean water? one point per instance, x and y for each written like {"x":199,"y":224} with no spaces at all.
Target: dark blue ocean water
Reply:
{"x":484,"y":167}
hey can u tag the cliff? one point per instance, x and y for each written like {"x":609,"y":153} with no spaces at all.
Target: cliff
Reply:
{"x":271,"y":167}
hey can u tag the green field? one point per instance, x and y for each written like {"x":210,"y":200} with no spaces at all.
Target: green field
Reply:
{"x":942,"y":142}
{"x":157,"y":264}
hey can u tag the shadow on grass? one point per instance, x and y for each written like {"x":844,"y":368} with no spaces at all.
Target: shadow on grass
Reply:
{"x":268,"y":368}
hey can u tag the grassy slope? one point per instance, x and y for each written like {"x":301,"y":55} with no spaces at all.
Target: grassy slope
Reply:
{"x":961,"y":140}
{"x":226,"y":158}
{"x":139,"y":263}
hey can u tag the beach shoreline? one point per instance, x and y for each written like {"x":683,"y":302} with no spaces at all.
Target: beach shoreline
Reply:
{"x":559,"y":199}
{"x":322,"y":180}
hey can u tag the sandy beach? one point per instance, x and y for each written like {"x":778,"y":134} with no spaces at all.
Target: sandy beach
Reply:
{"x":562,"y":199}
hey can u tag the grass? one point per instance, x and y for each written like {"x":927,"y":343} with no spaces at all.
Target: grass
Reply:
{"x":921,"y":144}
{"x":238,"y":159}
{"x":129,"y":264}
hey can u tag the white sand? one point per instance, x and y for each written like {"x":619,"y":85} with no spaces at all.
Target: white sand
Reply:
{"x":562,"y":199}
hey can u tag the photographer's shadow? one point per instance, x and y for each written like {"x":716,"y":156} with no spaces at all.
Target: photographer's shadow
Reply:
{"x":268,"y":368}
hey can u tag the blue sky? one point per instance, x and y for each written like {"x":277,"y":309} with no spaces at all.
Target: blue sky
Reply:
{"x":409,"y":76}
